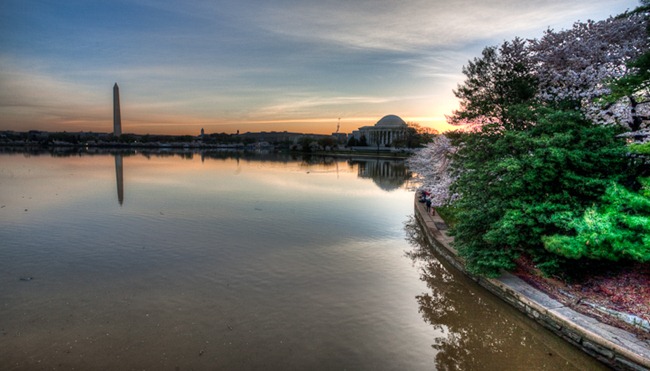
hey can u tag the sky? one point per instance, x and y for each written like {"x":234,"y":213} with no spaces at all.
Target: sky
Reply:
{"x":252,"y":65}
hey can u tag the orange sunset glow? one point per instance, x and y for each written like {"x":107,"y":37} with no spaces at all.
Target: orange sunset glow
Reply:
{"x":263,"y":67}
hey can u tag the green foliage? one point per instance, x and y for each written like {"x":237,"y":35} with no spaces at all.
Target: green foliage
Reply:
{"x":448,"y":214}
{"x":640,"y":148}
{"x":634,"y":85}
{"x":634,"y":82}
{"x":327,"y":142}
{"x":416,"y":136}
{"x":511,"y":183}
{"x":306,"y":143}
{"x":534,"y":171}
{"x":363,"y":141}
{"x":617,"y":228}
{"x":496,"y":83}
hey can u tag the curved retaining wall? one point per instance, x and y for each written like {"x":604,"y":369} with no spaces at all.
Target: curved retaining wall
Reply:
{"x":612,"y":346}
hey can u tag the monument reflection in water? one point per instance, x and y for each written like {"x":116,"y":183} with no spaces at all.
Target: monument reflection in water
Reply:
{"x":119,"y":177}
{"x":387,"y":174}
{"x":236,"y":261}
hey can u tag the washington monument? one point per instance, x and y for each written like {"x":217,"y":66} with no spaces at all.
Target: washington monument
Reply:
{"x":117,"y":119}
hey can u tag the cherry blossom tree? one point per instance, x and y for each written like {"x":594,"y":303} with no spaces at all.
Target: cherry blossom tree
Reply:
{"x":576,"y":66}
{"x":432,"y":167}
{"x":542,"y":142}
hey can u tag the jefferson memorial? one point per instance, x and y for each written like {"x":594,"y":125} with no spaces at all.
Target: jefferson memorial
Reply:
{"x":387,"y":130}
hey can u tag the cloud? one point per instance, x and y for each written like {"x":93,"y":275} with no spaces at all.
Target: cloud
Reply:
{"x":416,"y":25}
{"x":297,"y":103}
{"x":382,"y":25}
{"x":31,"y":96}
{"x":201,"y":62}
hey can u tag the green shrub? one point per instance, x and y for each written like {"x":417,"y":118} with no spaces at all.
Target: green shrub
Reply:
{"x":448,"y":214}
{"x":617,"y":228}
{"x":513,"y":184}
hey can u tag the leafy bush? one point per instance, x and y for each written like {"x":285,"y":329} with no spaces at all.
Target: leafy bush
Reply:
{"x":512,"y":184}
{"x":640,"y":148}
{"x":540,"y":172}
{"x":448,"y":214}
{"x":618,"y":228}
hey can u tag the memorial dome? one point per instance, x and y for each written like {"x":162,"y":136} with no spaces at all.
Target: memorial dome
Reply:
{"x":391,"y":120}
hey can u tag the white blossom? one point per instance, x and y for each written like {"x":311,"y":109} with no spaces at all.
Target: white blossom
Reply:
{"x":431,"y":166}
{"x":577,"y":64}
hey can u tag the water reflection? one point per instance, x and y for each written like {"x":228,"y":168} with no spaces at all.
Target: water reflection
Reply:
{"x":387,"y":174}
{"x":478,"y":331}
{"x":239,"y":261}
{"x":119,"y":177}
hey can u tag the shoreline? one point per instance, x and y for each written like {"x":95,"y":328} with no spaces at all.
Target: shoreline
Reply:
{"x":614,"y":347}
{"x":185,"y":148}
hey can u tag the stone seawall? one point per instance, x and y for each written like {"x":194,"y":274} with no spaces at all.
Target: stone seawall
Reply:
{"x":612,"y":346}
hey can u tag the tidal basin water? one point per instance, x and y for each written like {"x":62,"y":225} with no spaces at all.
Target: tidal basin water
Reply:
{"x":238,"y":262}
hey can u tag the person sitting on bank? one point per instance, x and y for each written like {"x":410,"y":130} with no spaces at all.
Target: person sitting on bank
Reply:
{"x":424,"y":195}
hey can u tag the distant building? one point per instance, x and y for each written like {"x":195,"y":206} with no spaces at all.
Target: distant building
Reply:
{"x":280,"y":136}
{"x":384,"y":133}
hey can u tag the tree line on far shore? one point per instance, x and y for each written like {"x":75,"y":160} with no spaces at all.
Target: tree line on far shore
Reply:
{"x":415,"y":137}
